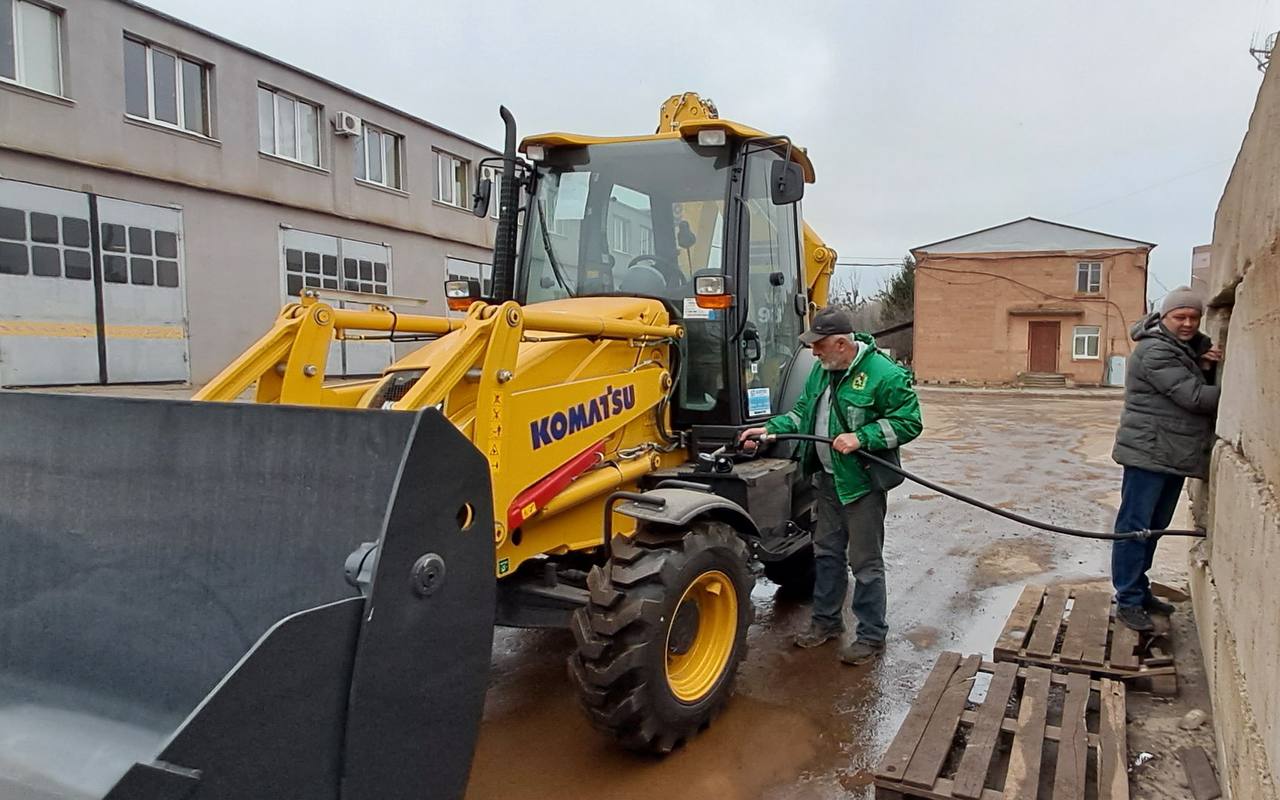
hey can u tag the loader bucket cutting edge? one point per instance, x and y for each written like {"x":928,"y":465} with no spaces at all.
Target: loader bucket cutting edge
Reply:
{"x":174,"y":617}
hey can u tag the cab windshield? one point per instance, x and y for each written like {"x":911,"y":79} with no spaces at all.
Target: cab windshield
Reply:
{"x":642,"y":218}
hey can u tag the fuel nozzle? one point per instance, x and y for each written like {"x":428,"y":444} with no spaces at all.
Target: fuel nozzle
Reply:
{"x":719,"y":460}
{"x":739,"y":446}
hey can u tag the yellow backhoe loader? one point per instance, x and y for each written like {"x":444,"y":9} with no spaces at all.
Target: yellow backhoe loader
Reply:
{"x":645,"y":302}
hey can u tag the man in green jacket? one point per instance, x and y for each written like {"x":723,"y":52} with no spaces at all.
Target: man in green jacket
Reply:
{"x":875,"y":410}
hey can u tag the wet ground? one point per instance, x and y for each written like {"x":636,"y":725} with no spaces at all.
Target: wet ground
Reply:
{"x":802,"y":725}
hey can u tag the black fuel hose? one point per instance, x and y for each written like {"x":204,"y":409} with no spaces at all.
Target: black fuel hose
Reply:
{"x":1044,"y":526}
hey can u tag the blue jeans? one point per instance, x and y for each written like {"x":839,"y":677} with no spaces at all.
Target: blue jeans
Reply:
{"x":1147,"y":502}
{"x":849,"y":537}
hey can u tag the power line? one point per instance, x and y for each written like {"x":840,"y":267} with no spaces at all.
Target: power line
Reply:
{"x":1156,"y":185}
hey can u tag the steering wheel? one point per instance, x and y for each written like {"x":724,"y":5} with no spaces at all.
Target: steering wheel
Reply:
{"x":674,"y":278}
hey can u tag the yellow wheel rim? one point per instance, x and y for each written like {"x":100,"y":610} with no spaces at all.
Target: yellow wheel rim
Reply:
{"x":700,"y":636}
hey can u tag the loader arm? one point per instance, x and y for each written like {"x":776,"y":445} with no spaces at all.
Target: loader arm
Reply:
{"x":819,"y":266}
{"x":532,"y":387}
{"x":287,"y":365}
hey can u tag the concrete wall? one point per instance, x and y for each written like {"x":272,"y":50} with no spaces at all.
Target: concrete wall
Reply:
{"x":972,"y":328}
{"x":1236,"y":571}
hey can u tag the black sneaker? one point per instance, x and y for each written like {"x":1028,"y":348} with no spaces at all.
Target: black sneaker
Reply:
{"x":1135,"y":617}
{"x":817,"y":635}
{"x":860,"y":652}
{"x":1154,"y":605}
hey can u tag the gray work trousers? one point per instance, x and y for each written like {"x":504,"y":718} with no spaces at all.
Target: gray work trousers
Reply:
{"x":849,"y":536}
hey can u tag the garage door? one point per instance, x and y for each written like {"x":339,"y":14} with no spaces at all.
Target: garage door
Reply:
{"x":143,"y":295}
{"x":48,"y":317}
{"x":320,"y":261}
{"x":75,"y":308}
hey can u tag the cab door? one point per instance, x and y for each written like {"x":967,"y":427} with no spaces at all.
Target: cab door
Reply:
{"x":770,"y":305}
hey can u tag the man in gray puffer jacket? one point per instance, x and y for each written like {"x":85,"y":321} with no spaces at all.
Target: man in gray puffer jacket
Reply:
{"x":1165,"y":435}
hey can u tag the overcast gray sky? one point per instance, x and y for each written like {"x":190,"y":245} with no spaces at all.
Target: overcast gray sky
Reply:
{"x":924,"y":119}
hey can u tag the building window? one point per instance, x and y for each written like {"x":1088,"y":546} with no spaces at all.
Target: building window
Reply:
{"x":646,"y":240}
{"x":288,"y":126}
{"x":451,"y":179}
{"x":1088,"y":277}
{"x":494,"y":174}
{"x":44,"y":245}
{"x":349,"y":266}
{"x":378,"y":156}
{"x":620,"y":234}
{"x":31,"y":45}
{"x":1085,"y":341}
{"x":164,"y":87}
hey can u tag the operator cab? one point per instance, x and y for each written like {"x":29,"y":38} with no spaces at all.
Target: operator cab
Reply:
{"x":652,"y":216}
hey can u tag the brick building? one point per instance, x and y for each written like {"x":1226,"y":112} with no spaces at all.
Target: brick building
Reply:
{"x":1029,"y":301}
{"x":1200,"y":263}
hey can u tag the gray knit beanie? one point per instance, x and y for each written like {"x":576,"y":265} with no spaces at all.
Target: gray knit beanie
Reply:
{"x":1182,"y":297}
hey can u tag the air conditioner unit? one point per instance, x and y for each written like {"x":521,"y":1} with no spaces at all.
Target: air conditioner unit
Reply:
{"x":346,"y":124}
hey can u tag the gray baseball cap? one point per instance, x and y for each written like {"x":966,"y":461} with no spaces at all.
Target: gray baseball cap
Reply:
{"x":830,"y":321}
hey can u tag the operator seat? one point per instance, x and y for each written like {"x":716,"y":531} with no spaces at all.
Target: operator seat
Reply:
{"x":644,"y":279}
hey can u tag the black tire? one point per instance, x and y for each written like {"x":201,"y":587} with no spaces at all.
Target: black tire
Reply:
{"x":620,"y":665}
{"x":793,"y":574}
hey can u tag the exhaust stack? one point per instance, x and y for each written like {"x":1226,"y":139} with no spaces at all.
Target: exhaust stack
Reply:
{"x":504,"y":249}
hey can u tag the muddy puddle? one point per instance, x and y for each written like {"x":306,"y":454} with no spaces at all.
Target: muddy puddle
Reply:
{"x":803,"y":726}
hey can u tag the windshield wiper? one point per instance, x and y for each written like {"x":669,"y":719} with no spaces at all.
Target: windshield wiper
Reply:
{"x":546,"y":246}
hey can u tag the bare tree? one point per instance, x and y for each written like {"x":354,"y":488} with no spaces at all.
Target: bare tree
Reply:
{"x":897,"y":306}
{"x":845,"y":290}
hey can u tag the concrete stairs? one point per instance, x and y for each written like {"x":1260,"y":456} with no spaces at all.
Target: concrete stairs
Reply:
{"x":1043,"y":380}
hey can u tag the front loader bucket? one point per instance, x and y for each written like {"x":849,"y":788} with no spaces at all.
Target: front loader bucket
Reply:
{"x":175,"y":621}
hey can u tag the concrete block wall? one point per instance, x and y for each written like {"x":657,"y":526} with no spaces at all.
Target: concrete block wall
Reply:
{"x":1235,"y":573}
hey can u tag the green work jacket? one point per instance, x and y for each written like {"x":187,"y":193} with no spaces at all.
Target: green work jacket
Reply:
{"x":876,"y":399}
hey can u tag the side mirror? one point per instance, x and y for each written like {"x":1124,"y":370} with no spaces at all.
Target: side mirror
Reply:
{"x":751,"y":343}
{"x":480,"y":200}
{"x":786,"y":182}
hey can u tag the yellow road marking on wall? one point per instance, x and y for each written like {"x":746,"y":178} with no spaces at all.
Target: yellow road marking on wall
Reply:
{"x":85,"y":330}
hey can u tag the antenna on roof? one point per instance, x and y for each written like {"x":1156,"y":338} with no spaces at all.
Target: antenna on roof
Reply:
{"x":1263,"y":54}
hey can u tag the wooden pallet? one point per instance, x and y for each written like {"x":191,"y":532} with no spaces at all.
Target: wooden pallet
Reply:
{"x":1035,"y":733}
{"x":1076,"y":630}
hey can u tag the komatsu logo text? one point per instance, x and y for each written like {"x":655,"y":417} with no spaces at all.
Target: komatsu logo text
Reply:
{"x":554,"y":427}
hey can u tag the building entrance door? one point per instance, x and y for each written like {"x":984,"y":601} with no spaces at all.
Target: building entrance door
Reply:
{"x":1042,"y":346}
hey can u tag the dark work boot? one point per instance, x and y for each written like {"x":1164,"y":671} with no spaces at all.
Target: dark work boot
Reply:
{"x":860,"y":652}
{"x":1153,"y":605}
{"x":817,"y":634}
{"x":1135,"y":617}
